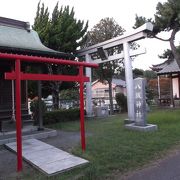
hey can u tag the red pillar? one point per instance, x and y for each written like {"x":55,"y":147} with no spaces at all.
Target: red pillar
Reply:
{"x":18,"y":114}
{"x":83,"y":144}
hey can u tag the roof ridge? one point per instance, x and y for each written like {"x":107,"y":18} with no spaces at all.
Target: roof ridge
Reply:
{"x":14,"y":23}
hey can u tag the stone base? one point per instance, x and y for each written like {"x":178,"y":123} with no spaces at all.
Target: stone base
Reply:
{"x":89,"y":115}
{"x":101,"y":111}
{"x":148,"y":127}
{"x":128,"y":121}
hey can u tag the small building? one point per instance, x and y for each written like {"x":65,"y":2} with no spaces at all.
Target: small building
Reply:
{"x":170,"y":70}
{"x":16,"y":37}
{"x":100,"y":91}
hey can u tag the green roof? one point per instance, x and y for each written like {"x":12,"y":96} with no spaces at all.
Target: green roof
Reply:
{"x":16,"y":36}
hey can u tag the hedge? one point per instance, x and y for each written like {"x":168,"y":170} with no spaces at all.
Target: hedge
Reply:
{"x":63,"y":115}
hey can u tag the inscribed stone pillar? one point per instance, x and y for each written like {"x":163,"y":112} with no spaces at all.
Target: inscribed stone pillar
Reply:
{"x":140,"y":101}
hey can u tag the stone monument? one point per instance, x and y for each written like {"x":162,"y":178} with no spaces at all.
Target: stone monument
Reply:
{"x":140,"y":101}
{"x":140,"y":108}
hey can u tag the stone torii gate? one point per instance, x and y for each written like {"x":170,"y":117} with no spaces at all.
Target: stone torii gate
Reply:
{"x":101,"y":49}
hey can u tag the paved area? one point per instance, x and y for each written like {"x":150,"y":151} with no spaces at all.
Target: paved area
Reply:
{"x":167,"y":168}
{"x":47,"y":158}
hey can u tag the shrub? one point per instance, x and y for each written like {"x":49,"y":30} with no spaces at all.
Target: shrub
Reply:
{"x":61,"y":115}
{"x":35,"y":109}
{"x":121,"y":100}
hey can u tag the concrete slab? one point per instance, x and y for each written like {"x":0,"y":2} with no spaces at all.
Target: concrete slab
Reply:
{"x":147,"y":128}
{"x":48,"y":159}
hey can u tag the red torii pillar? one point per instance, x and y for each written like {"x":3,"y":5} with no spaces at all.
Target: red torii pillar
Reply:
{"x":18,"y":76}
{"x":18,"y":115}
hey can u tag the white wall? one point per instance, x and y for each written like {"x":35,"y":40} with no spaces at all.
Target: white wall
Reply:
{"x":175,"y":87}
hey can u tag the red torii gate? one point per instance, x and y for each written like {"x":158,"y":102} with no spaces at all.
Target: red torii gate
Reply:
{"x":17,"y":75}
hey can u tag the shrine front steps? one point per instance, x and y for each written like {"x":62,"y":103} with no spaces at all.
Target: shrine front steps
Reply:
{"x":8,"y":124}
{"x":28,"y":132}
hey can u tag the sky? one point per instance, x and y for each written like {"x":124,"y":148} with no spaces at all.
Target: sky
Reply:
{"x":123,"y":11}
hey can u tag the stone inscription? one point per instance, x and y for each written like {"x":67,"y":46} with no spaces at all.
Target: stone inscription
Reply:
{"x":140,"y":101}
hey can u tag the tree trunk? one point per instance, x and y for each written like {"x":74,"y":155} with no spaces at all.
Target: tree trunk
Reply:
{"x":110,"y":97}
{"x":55,"y":86}
{"x":40,"y":116}
{"x":55,"y":95}
{"x":173,"y":47}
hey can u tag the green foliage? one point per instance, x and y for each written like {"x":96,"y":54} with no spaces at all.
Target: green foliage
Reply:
{"x":167,"y":55}
{"x":167,"y":15}
{"x":150,"y":95}
{"x":167,"y":19}
{"x":121,"y":100}
{"x":149,"y":74}
{"x":106,"y":29}
{"x":138,"y":73}
{"x":62,"y":115}
{"x":34,"y":107}
{"x":69,"y":94}
{"x":140,"y":20}
{"x":62,"y":32}
{"x":41,"y":23}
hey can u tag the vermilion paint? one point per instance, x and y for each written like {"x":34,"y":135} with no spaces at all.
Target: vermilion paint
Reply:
{"x":17,"y":75}
{"x":18,"y":114}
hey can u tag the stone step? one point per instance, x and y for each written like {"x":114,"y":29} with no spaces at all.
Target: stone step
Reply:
{"x":10,"y":125}
{"x":28,"y":132}
{"x":9,"y":111}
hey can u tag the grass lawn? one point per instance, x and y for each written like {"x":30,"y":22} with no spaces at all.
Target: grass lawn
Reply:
{"x":112,"y":149}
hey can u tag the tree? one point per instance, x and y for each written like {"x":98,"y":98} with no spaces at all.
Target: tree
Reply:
{"x":66,"y":33}
{"x":62,"y":32}
{"x":121,"y":100}
{"x":138,"y":73}
{"x":167,"y":55}
{"x":70,"y":95}
{"x":41,"y":23}
{"x":106,"y":29}
{"x":149,"y":74}
{"x":166,"y":19}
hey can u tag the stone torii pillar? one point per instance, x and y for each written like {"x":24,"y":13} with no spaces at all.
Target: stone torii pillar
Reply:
{"x":89,"y":112}
{"x":129,"y":82}
{"x":101,"y":49}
